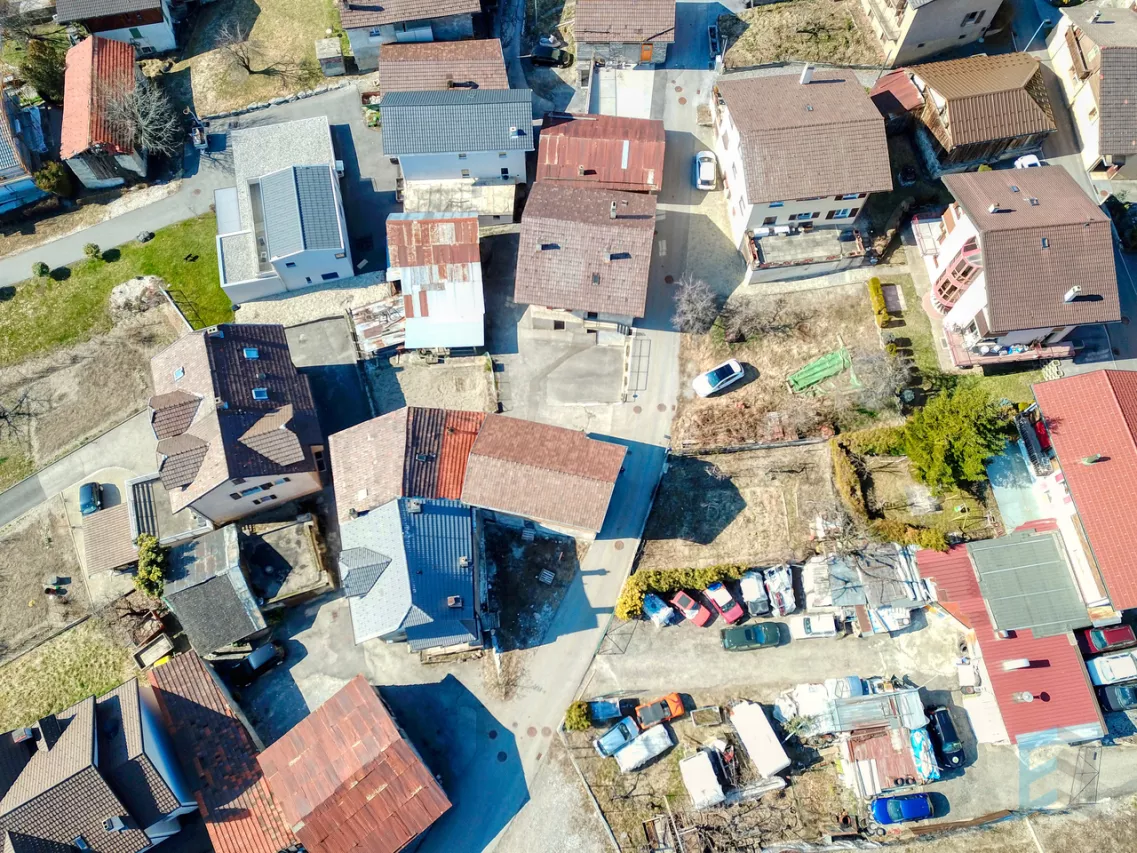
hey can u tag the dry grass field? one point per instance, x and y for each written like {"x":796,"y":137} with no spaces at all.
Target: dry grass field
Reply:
{"x":799,"y":30}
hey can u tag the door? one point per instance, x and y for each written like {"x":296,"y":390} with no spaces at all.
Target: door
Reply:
{"x":645,"y":53}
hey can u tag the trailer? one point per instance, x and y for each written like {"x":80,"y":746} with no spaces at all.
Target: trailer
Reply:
{"x":758,"y":738}
{"x":700,"y":779}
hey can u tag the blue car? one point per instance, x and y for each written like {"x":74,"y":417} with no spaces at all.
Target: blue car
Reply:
{"x":90,"y":498}
{"x":902,"y":808}
{"x":616,"y":738}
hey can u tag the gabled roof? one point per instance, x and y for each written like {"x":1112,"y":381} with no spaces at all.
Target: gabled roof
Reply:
{"x":542,"y":472}
{"x":1034,"y":252}
{"x":799,"y":140}
{"x":420,"y":66}
{"x":987,"y":98}
{"x":895,"y":93}
{"x":602,"y":151}
{"x":12,"y":163}
{"x":457,"y":120}
{"x":96,"y":69}
{"x":376,"y":14}
{"x":411,"y":452}
{"x":1114,"y":73}
{"x":347,"y":779}
{"x":1095,"y":414}
{"x":300,"y":210}
{"x":219,"y":758}
{"x":624,"y":21}
{"x":84,"y":10}
{"x":420,"y":580}
{"x":1064,"y":704}
{"x":573,"y":254}
{"x":211,"y":427}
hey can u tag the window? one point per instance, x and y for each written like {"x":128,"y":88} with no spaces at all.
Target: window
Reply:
{"x":502,"y":155}
{"x":777,"y":204}
{"x":843,"y":213}
{"x":770,"y":220}
{"x":921,"y":44}
{"x":235,"y":495}
{"x":558,"y":325}
{"x":374,"y":32}
{"x":238,"y":481}
{"x":465,"y":173}
{"x":848,"y":196}
{"x":179,"y":373}
{"x":260,"y":393}
{"x":1093,"y":112}
{"x":252,"y":490}
{"x":504,"y":172}
{"x":328,"y":276}
{"x":282,"y":481}
{"x":1045,"y":243}
{"x":341,"y":255}
{"x":266,"y":486}
{"x":970,"y":18}
{"x":318,"y":458}
{"x":290,"y":264}
{"x":592,"y":315}
{"x":854,"y":211}
{"x":252,"y":353}
{"x":461,"y":156}
{"x":734,"y":168}
{"x":135,"y":33}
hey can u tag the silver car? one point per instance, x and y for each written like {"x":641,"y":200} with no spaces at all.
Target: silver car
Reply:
{"x":705,"y":171}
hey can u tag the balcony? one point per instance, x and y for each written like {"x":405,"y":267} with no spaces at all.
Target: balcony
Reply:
{"x":888,"y":14}
{"x":928,"y":230}
{"x":788,"y":246}
{"x":965,"y":356}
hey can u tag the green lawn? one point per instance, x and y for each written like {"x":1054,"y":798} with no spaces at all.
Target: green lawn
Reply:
{"x":72,"y":304}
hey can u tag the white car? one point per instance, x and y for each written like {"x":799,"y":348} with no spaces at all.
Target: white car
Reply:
{"x":813,"y":625}
{"x":1028,"y":161}
{"x":1112,"y":669}
{"x":754,"y":593}
{"x":715,"y":380}
{"x":705,"y":171}
{"x":780,"y":586}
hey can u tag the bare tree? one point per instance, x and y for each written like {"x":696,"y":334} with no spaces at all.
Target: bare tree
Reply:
{"x":696,"y":307}
{"x":235,"y":44}
{"x":882,"y":377}
{"x":243,"y":51}
{"x":744,"y":318}
{"x":16,"y":415}
{"x":20,"y":28}
{"x":146,"y":116}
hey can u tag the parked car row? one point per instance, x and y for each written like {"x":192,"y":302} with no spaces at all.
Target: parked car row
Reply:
{"x":632,"y":725}
{"x":763,"y":592}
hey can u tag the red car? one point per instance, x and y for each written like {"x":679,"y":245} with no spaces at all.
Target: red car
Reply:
{"x":691,"y":609}
{"x":1097,"y":640}
{"x":724,"y":603}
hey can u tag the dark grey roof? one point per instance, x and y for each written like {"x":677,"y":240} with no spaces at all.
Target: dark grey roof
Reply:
{"x":427,"y":550}
{"x":1027,"y":583}
{"x":457,"y":120}
{"x":360,"y":568}
{"x":202,"y":559}
{"x":10,"y":165}
{"x":81,"y":10}
{"x":300,"y":210}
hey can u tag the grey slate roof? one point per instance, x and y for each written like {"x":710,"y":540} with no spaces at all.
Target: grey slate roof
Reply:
{"x":411,"y":593}
{"x":360,"y":568}
{"x":457,"y":120}
{"x":82,"y":10}
{"x":207,"y":591}
{"x":1027,"y":583}
{"x":300,"y":210}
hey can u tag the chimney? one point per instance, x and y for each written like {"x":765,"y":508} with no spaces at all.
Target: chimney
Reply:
{"x":806,"y":75}
{"x":580,"y":170}
{"x":612,"y":211}
{"x":1016,"y":663}
{"x":1072,"y":293}
{"x":607,"y":257}
{"x":993,"y":207}
{"x":454,"y":601}
{"x":414,"y":507}
{"x":1090,"y":460}
{"x":1096,"y":17}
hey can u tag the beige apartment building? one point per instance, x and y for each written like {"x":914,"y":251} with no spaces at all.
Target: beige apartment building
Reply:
{"x":911,"y":30}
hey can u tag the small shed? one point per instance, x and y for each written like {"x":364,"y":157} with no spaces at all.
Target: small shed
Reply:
{"x":329,"y":53}
{"x":698,"y":772}
{"x":758,"y":739}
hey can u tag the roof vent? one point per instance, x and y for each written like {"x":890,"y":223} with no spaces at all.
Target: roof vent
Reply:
{"x":220,"y":403}
{"x":454,"y":601}
{"x":580,"y":170}
{"x":993,"y":207}
{"x":1033,"y":201}
{"x":612,"y":211}
{"x":463,"y":562}
{"x":1091,"y":460}
{"x":806,"y":76}
{"x":424,"y":457}
{"x":1014,"y":189}
{"x":1016,"y":663}
{"x":414,"y":507}
{"x":114,"y":824}
{"x":1072,"y":293}
{"x":80,"y":843}
{"x":22,"y":735}
{"x":596,"y":278}
{"x":1096,"y":17}
{"x":1023,"y":696}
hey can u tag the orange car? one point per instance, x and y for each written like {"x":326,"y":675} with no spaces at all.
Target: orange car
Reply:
{"x":659,"y":711}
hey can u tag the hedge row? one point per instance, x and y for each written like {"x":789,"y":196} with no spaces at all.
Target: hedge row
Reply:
{"x":630,"y":604}
{"x":847,"y":481}
{"x":879,"y":306}
{"x":878,"y":441}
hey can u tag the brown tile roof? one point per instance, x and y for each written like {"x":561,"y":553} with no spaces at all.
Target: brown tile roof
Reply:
{"x":1025,"y":278}
{"x":411,"y":452}
{"x":988,"y":98}
{"x":415,"y":67}
{"x":220,"y":760}
{"x":214,"y":367}
{"x":801,"y":141}
{"x":107,"y":543}
{"x":376,"y":14}
{"x":347,"y":779}
{"x":96,"y":68}
{"x":573,"y":255}
{"x":542,"y":472}
{"x":602,"y":151}
{"x":171,"y":414}
{"x":625,"y":21}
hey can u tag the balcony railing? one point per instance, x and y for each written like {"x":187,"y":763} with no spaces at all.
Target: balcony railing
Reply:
{"x":963,"y":355}
{"x":889,"y":14}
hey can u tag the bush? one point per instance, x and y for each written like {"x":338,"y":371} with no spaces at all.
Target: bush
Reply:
{"x":891,"y":349}
{"x":984,"y":168}
{"x":577,"y":717}
{"x":92,"y":251}
{"x":878,"y":441}
{"x":40,"y":269}
{"x":54,"y":178}
{"x":879,"y":306}
{"x":42,"y":66}
{"x":150,"y":578}
{"x":891,"y":530}
{"x":847,"y":481}
{"x":630,"y":604}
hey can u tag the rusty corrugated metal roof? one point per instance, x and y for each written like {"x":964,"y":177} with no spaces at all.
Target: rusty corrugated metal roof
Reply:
{"x":602,"y":151}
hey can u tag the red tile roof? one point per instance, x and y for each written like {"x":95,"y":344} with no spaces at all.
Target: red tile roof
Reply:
{"x":212,"y":745}
{"x":347,"y":779}
{"x":95,"y":69}
{"x":1064,"y":698}
{"x":1096,"y":414}
{"x":602,"y":151}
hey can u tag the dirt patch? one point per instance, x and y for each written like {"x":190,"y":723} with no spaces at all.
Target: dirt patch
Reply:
{"x":760,"y":407}
{"x":526,"y":605}
{"x":76,"y":393}
{"x":800,"y":30}
{"x":803,"y":811}
{"x":454,"y":383}
{"x":893,"y":493}
{"x":756,"y":506}
{"x":33,"y":547}
{"x":84,"y":661}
